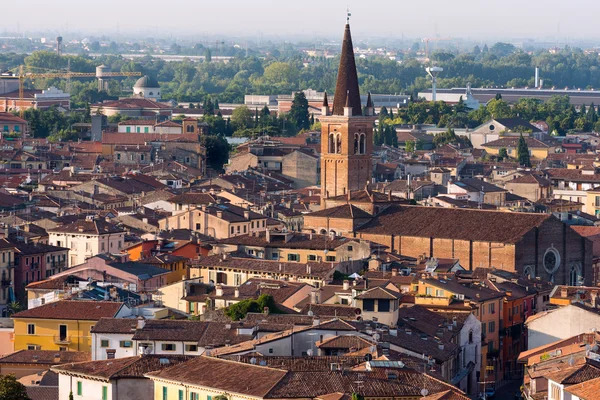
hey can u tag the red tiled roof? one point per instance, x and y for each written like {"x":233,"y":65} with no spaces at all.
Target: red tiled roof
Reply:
{"x":127,"y":367}
{"x":51,"y":357}
{"x":454,"y":223}
{"x":13,"y":119}
{"x":228,"y":376}
{"x":73,"y":310}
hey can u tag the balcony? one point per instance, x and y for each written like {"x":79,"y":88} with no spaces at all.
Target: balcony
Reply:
{"x":5,"y":283}
{"x":60,"y":339}
{"x":60,"y":265}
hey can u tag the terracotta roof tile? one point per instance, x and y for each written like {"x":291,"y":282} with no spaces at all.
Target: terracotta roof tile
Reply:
{"x":73,"y":310}
{"x":224,"y":375}
{"x":454,"y":223}
{"x":45,"y":357}
{"x":127,"y":367}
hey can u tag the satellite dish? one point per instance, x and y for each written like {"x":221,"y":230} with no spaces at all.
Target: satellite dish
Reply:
{"x":309,"y":352}
{"x":310,"y":313}
{"x":376,"y":336}
{"x":424,"y":392}
{"x":571,"y":361}
{"x":253,"y":361}
{"x":368,"y":357}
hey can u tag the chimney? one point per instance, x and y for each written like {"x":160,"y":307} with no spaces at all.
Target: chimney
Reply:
{"x":219,"y":291}
{"x":316,"y":321}
{"x":236,"y":293}
{"x":394,"y":272}
{"x":308,"y":269}
{"x":57,"y":358}
{"x":441,"y":346}
{"x":314,"y":297}
{"x":346,"y":285}
{"x":247,"y":214}
{"x":593,"y":298}
{"x":563,"y":292}
{"x":141,"y":322}
{"x":220,"y":214}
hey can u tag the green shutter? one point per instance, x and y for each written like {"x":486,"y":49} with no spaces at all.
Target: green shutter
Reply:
{"x":79,"y":388}
{"x":164,"y":393}
{"x":180,"y":394}
{"x":104,"y":392}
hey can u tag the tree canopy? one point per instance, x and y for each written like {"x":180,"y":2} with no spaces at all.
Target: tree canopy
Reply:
{"x":12,"y":389}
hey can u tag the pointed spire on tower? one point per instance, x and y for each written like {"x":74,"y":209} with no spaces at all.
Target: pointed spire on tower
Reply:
{"x":346,"y":88}
{"x":369,"y":108}
{"x":325,"y":106}
{"x":369,"y":100}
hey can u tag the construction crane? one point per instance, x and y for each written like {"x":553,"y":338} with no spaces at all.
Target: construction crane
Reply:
{"x":427,"y":40}
{"x":22,"y":75}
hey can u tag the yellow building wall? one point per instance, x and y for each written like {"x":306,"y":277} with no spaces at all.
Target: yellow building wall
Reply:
{"x":204,"y":273}
{"x":538,"y":154}
{"x":590,"y":203}
{"x":47,"y":334}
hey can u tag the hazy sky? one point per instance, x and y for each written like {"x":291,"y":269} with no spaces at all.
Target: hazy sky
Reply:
{"x":472,"y":19}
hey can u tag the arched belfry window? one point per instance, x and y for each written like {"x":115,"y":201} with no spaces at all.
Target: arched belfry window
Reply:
{"x":356,"y":146}
{"x":363,"y":143}
{"x":331,"y":143}
{"x":338,"y":143}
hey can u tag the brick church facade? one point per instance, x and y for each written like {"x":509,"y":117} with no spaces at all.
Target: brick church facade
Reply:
{"x":538,"y":245}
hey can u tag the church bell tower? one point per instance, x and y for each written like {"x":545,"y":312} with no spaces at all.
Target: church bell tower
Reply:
{"x":346,"y":132}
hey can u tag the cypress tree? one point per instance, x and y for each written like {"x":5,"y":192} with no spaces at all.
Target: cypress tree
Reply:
{"x":523,"y":152}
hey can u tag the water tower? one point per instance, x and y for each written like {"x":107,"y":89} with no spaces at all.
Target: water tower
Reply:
{"x":59,"y":45}
{"x":102,"y":79}
{"x":433,"y":72}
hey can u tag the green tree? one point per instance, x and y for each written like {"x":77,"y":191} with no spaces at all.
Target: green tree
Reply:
{"x":207,"y":55}
{"x":299,"y":111}
{"x":208,"y":106}
{"x":241,"y":118}
{"x":14,"y":307}
{"x":217,"y":151}
{"x":523,"y":152}
{"x":410,"y":146}
{"x":502,"y":154}
{"x":12,"y":389}
{"x":239,"y":310}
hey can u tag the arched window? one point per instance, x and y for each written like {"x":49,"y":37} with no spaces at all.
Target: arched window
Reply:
{"x":331,"y":143}
{"x":528,"y":271}
{"x":323,"y":232}
{"x":151,"y":93}
{"x":338,"y":143}
{"x":363,"y":143}
{"x":356,"y":140}
{"x":574,"y":276}
{"x":190,"y":128}
{"x":471,"y":336}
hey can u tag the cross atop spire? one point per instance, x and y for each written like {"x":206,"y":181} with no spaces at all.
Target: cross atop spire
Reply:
{"x":346,"y":88}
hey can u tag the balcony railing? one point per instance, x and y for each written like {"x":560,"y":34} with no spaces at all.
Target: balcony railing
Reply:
{"x":5,"y":282}
{"x":60,"y":339}
{"x":58,"y":264}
